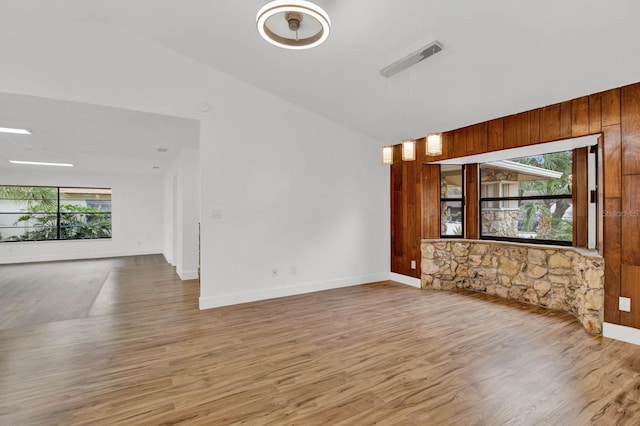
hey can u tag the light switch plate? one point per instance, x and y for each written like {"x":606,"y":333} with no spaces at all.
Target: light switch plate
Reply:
{"x":624,"y":304}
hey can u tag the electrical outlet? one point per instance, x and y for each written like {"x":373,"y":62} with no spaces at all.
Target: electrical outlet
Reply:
{"x":624,"y":304}
{"x":413,"y":264}
{"x":274,"y":273}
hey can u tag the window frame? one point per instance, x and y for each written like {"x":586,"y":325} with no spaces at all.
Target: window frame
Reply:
{"x":58,"y":213}
{"x":460,"y":200}
{"x":536,"y":241}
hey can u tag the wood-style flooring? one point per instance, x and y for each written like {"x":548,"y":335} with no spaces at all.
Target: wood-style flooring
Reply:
{"x":384,"y":353}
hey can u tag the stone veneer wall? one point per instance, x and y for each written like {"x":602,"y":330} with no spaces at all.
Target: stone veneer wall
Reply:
{"x":500,"y":222}
{"x":560,"y":278}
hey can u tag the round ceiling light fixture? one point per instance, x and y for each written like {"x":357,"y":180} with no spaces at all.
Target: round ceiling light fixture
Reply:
{"x":293,"y":24}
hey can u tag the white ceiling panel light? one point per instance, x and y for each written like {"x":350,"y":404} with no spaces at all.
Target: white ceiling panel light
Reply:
{"x":295,"y":24}
{"x":412,"y":59}
{"x":14,"y":131}
{"x":39,"y":163}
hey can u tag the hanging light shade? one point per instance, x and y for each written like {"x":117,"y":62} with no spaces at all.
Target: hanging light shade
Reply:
{"x":387,"y":154}
{"x":434,"y":144}
{"x":293,"y":24}
{"x":408,"y":150}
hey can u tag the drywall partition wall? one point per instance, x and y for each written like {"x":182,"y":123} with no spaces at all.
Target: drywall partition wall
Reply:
{"x":136,"y":217}
{"x":169,"y":217}
{"x":182,"y":212}
{"x":289,"y":189}
{"x":190,"y":215}
{"x":291,"y":207}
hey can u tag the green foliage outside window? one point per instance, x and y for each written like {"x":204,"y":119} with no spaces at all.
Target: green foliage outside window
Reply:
{"x":42,"y":217}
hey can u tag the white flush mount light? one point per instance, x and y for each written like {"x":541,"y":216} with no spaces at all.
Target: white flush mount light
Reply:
{"x":293,"y":24}
{"x":38,"y":163}
{"x":434,"y":144}
{"x":14,"y":131}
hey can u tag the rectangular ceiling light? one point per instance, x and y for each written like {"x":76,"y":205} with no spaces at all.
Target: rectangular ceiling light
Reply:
{"x":412,"y":59}
{"x":16,"y":131}
{"x":38,"y":163}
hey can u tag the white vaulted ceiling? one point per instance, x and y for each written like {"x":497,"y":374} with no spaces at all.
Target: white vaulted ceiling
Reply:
{"x":500,"y":56}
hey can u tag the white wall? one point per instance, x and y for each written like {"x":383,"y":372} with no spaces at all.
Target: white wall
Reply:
{"x":298,"y":193}
{"x":137,"y":222}
{"x":295,"y":189}
{"x":182,"y":210}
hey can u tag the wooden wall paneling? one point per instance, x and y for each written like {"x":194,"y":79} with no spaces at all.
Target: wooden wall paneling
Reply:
{"x":396,"y":169}
{"x":630,"y":120}
{"x":550,"y":123}
{"x":400,"y":182}
{"x":471,"y":201}
{"x":430,"y":201}
{"x":612,"y":162}
{"x":580,"y":198}
{"x":479,"y":138}
{"x":495,"y":134}
{"x":631,"y":220}
{"x":509,"y":131}
{"x":523,"y":128}
{"x":580,"y":116}
{"x":447,"y":145}
{"x":416,"y":231}
{"x":459,"y":143}
{"x":406,"y":212}
{"x":565,"y":120}
{"x":534,"y":123}
{"x":411,"y":239}
{"x":595,"y":113}
{"x":397,"y":204}
{"x":470,"y":140}
{"x":631,"y":288}
{"x":612,"y":258}
{"x":397,"y":227}
{"x":610,"y":107}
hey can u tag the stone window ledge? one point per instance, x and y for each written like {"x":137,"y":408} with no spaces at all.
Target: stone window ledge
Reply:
{"x":566,"y":279}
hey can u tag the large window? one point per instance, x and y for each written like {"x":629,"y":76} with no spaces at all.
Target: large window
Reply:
{"x":39,"y":213}
{"x":451,"y":201}
{"x":528,"y":198}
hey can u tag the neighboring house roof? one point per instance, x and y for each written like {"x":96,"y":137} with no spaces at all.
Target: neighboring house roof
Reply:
{"x":525,"y":171}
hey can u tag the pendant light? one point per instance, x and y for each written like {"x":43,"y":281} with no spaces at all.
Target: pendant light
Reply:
{"x":434,"y":144}
{"x":408,"y":149}
{"x":387,"y":154}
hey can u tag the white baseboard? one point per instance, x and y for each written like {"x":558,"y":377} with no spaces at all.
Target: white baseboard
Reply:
{"x":620,"y":332}
{"x":403,"y":279}
{"x":272,"y":293}
{"x":75,"y":256}
{"x":187,"y":275}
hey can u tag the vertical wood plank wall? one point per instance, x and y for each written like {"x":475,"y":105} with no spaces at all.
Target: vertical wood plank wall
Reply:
{"x":415,"y":187}
{"x":406,"y":212}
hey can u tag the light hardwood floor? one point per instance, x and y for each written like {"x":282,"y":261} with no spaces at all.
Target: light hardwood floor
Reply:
{"x":384,"y":353}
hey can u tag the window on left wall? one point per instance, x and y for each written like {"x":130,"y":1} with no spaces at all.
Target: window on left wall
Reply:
{"x":43,"y":213}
